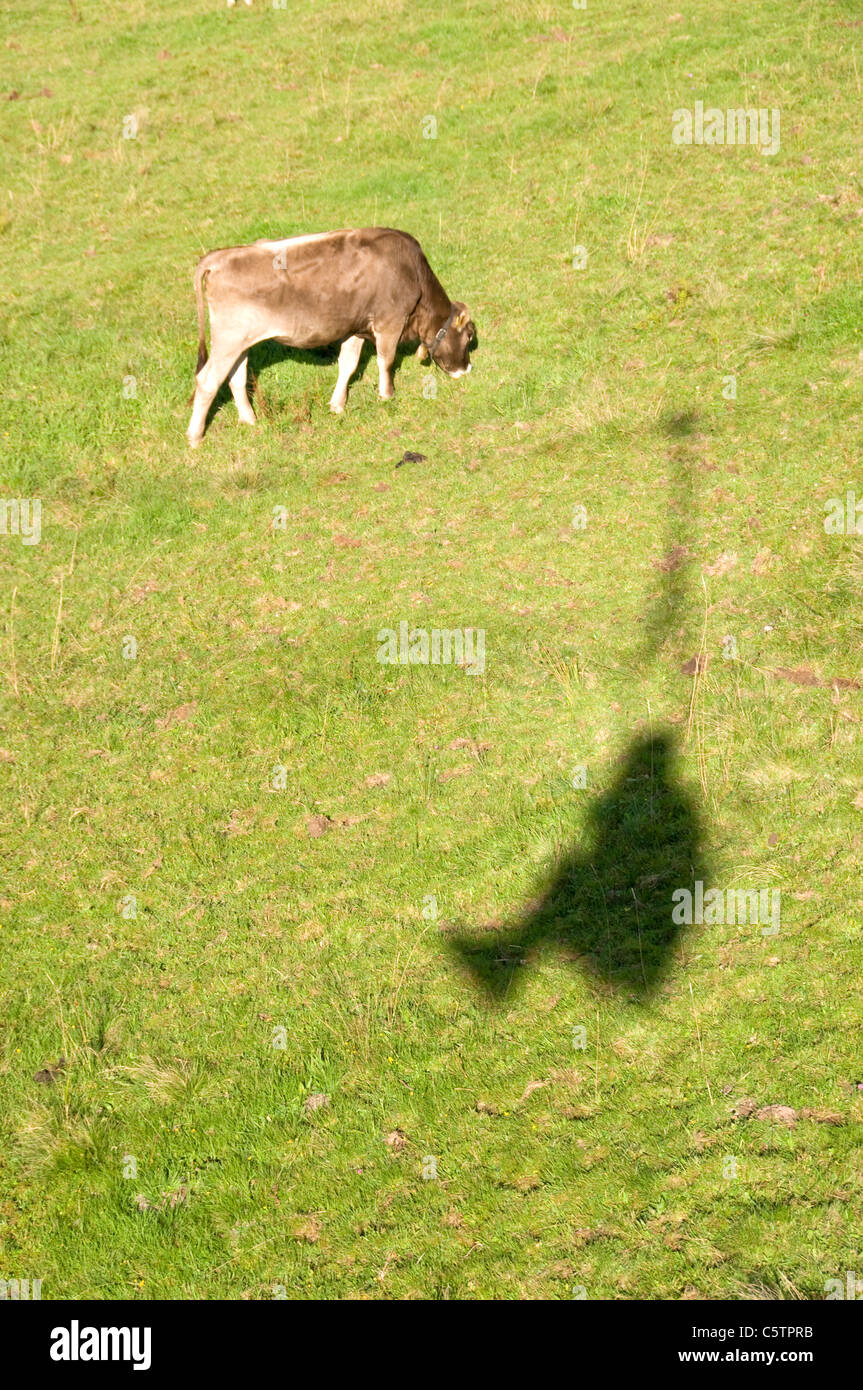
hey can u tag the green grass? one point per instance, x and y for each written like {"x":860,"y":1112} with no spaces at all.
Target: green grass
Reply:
{"x":601,"y":388}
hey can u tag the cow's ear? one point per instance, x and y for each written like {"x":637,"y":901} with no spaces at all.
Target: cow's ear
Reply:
{"x":461,"y":318}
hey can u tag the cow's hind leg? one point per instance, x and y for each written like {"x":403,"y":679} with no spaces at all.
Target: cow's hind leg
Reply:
{"x":237,"y":383}
{"x":207,"y":383}
{"x":349,"y":357}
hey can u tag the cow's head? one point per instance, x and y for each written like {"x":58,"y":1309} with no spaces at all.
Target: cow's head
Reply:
{"x":451,"y":352}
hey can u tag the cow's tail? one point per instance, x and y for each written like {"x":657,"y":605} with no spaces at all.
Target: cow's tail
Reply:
{"x":200,"y":272}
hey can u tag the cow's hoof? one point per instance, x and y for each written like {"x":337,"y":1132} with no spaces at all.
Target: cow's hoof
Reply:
{"x":193,"y":441}
{"x":336,"y":408}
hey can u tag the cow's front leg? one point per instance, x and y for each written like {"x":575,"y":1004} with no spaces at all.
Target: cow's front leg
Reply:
{"x":349,"y":357}
{"x":385,"y":347}
{"x":237,"y":383}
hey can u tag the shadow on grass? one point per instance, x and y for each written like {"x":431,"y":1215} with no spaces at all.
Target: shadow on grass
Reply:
{"x":270,"y":351}
{"x":266,"y":354}
{"x":666,"y":613}
{"x":608,"y":905}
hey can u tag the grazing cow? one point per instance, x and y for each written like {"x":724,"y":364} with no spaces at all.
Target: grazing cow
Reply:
{"x":348,"y":287}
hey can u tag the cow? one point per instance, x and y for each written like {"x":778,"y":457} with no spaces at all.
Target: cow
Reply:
{"x":348,"y":287}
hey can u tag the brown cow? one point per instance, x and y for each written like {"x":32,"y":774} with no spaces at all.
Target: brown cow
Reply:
{"x":309,"y":291}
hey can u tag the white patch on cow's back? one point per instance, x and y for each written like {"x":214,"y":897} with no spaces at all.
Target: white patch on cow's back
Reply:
{"x":295,"y":240}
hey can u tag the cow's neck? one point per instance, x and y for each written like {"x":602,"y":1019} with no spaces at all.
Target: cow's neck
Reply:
{"x":432,"y":312}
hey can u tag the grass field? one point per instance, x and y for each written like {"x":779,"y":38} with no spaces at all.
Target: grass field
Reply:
{"x":360,"y":987}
